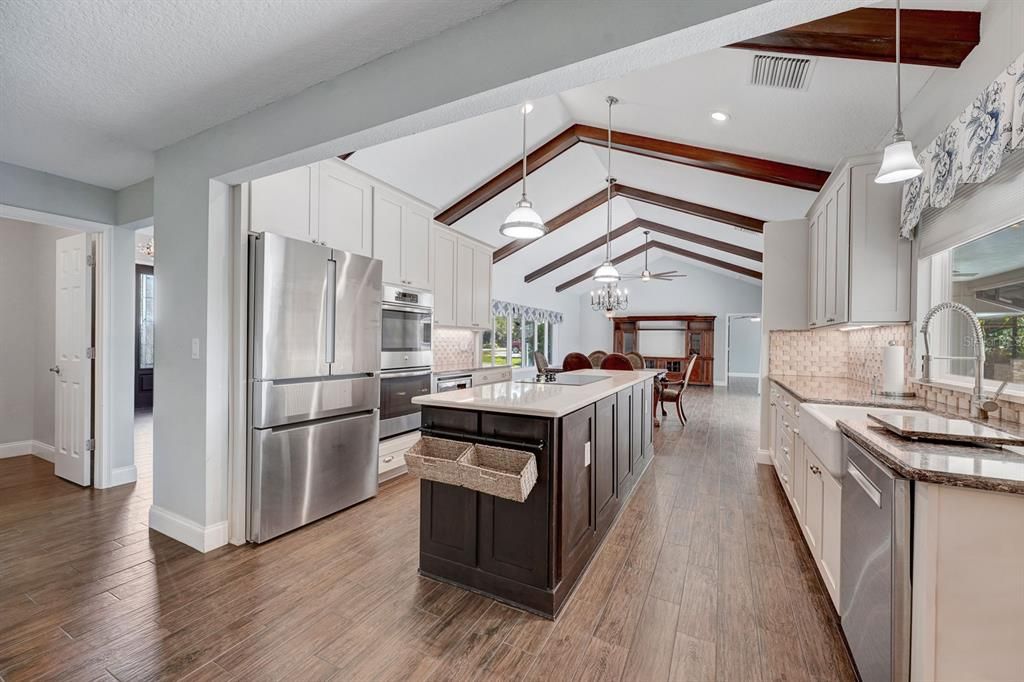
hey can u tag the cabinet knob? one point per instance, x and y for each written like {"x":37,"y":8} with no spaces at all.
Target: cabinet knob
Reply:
{"x":389,"y":459}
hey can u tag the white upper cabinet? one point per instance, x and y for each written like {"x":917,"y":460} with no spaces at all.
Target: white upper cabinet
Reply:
{"x":401,"y":238}
{"x":345,"y":208}
{"x":858,"y":267}
{"x":462,"y":281}
{"x":280,"y":203}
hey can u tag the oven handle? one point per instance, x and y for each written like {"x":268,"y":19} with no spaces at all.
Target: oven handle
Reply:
{"x":400,"y":374}
{"x":407,"y":308}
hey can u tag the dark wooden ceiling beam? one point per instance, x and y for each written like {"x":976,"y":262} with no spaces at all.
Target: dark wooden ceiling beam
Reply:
{"x":537,"y":158}
{"x":929,"y":37}
{"x":690,"y":208}
{"x":685,"y":253}
{"x":635,"y":224}
{"x":749,"y":167}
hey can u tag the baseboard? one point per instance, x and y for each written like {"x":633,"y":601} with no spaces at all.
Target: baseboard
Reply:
{"x":745,"y":375}
{"x":123,"y":476}
{"x":763,"y":456}
{"x":202,"y":538}
{"x":20,"y":448}
{"x":721,"y":383}
{"x":43,"y":451}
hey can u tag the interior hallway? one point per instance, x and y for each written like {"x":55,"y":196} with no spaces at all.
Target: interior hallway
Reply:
{"x":88,"y":591}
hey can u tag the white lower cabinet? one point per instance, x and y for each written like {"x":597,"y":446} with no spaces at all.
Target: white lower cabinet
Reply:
{"x":828,"y":564}
{"x":492,"y":376}
{"x":391,"y":455}
{"x":813,"y":503}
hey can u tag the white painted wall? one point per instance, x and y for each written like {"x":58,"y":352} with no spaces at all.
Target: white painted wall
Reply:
{"x":27,"y":298}
{"x":702,"y":292}
{"x":744,"y":346}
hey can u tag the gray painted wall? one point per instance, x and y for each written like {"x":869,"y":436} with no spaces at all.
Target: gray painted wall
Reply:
{"x":27,"y":297}
{"x":744,"y":346}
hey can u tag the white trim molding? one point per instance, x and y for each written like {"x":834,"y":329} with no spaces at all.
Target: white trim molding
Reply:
{"x":16,"y":448}
{"x":43,"y":450}
{"x":121,"y":476}
{"x":187,"y":531}
{"x":763,"y":456}
{"x":746,"y":375}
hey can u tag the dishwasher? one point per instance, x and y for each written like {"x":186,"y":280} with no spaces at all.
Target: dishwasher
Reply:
{"x":875,"y":573}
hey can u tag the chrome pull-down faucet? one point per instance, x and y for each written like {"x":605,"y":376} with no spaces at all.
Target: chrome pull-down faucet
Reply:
{"x":977,"y":399}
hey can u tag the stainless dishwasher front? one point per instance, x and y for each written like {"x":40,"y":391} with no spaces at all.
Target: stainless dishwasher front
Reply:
{"x":875,"y":568}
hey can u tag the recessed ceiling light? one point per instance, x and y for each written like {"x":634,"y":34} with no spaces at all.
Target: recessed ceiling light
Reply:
{"x":720,"y":116}
{"x":526,"y":108}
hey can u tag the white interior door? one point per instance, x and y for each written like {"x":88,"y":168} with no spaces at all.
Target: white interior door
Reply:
{"x":73,"y":368}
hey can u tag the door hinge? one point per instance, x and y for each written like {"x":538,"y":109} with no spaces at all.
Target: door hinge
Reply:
{"x":90,"y":352}
{"x":90,"y":444}
{"x":90,"y":260}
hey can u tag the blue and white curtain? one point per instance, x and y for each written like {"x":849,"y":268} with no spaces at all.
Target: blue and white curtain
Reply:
{"x":506,"y":309}
{"x":970,"y":149}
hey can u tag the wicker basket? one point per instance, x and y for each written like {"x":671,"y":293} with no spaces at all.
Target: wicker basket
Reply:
{"x":510,"y":474}
{"x":437,"y":459}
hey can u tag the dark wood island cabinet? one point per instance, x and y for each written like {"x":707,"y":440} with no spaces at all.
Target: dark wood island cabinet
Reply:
{"x":531,"y":554}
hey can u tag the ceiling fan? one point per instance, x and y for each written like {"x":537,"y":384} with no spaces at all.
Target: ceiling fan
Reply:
{"x":646,"y":275}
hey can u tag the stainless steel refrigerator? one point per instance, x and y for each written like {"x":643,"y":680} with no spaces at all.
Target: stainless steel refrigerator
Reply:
{"x":314,"y":379}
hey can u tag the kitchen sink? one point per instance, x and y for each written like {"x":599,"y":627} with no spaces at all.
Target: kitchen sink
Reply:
{"x":820,"y":433}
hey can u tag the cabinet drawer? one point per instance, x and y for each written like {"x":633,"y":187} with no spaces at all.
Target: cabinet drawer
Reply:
{"x":391,"y":454}
{"x":491,"y":377}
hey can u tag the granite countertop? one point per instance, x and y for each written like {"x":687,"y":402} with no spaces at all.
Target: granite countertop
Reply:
{"x":540,"y":400}
{"x":838,"y":391}
{"x":962,"y":465}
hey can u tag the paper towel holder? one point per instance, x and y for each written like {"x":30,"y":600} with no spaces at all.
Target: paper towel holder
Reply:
{"x":891,"y":394}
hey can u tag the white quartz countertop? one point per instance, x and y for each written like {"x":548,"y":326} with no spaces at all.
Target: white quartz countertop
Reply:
{"x":538,"y":400}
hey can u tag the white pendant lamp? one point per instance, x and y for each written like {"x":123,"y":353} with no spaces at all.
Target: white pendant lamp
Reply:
{"x":607,"y":272}
{"x":898,"y":162}
{"x":523,"y":222}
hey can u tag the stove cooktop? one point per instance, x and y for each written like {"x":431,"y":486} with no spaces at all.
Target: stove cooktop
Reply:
{"x":563,"y":379}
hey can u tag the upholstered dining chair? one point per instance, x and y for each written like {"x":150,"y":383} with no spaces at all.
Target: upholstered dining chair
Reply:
{"x":636,"y":359}
{"x":541,"y":361}
{"x":672,"y":391}
{"x":596,"y":357}
{"x":574,"y":361}
{"x":616,"y":361}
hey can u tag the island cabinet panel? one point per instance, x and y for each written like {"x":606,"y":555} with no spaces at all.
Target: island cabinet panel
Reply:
{"x":636,"y":441}
{"x":448,"y":522}
{"x":606,"y":498}
{"x":648,"y":418}
{"x":579,"y":520}
{"x":624,"y":473}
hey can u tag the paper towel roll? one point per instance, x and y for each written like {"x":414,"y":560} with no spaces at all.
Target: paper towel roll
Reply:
{"x":892,"y":369}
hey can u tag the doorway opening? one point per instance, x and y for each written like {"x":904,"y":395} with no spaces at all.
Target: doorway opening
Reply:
{"x":743,"y":347}
{"x":145,"y":355}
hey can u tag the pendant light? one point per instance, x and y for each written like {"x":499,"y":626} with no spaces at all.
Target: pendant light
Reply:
{"x":607,"y":272}
{"x":523,"y":222}
{"x":898,"y":162}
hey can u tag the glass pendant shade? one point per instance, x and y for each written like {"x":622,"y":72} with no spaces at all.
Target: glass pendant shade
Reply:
{"x":898,"y":163}
{"x":523,"y":222}
{"x":606,"y":273}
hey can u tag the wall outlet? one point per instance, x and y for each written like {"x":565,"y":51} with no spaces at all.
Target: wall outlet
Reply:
{"x":195,"y":349}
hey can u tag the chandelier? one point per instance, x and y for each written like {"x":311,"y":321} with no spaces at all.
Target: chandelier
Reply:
{"x":609,"y":298}
{"x":147,"y":248}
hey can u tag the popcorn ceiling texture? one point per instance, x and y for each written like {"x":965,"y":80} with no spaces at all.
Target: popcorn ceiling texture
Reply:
{"x":454,"y":349}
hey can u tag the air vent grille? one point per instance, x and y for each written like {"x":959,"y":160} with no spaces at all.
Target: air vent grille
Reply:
{"x":775,"y":71}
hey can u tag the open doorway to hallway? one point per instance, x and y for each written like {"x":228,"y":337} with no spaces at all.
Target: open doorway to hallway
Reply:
{"x":743,"y":348}
{"x":145,"y":354}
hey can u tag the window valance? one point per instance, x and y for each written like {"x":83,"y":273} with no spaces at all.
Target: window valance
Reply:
{"x":970,"y":149}
{"x":504,"y":308}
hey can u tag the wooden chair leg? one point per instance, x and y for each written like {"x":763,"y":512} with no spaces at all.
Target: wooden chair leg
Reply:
{"x":664,"y":413}
{"x":679,"y":412}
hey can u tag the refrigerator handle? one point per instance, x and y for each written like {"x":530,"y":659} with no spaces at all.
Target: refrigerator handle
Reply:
{"x":331,"y":306}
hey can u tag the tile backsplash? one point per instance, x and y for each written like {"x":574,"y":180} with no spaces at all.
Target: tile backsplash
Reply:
{"x":454,"y":349}
{"x":855,"y":354}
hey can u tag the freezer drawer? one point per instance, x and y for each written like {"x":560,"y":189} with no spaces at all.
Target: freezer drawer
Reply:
{"x":275,"y":403}
{"x":298,"y":474}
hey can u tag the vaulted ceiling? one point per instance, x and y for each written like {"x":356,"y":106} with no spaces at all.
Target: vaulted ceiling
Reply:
{"x":844,"y":108}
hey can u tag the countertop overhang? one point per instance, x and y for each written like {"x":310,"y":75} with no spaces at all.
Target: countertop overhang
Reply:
{"x":538,"y":400}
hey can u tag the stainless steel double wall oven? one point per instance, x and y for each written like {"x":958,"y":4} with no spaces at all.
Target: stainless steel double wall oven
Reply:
{"x":406,"y":357}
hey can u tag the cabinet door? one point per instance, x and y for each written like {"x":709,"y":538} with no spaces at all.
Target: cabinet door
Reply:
{"x":812,"y":274}
{"x":821,"y":246}
{"x":445,"y":256}
{"x":280,"y":203}
{"x":636,"y":418}
{"x":387,"y":234}
{"x":648,"y":417}
{"x":813,"y":502}
{"x":416,"y":224}
{"x":799,"y":478}
{"x":831,"y":251}
{"x":465,"y":256}
{"x":604,"y":463}
{"x":623,"y":441}
{"x":832,"y":500}
{"x":481,"y":314}
{"x":577,"y":499}
{"x":345,"y":206}
{"x":841,"y":307}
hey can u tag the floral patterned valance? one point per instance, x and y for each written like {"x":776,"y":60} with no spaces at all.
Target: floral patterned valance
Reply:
{"x":970,"y":149}
{"x":504,"y":308}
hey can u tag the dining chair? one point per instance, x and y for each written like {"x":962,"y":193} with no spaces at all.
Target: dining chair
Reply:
{"x":636,"y":359}
{"x":672,"y":391}
{"x":540,"y":361}
{"x":596,"y":357}
{"x":574,"y":361}
{"x":616,"y":361}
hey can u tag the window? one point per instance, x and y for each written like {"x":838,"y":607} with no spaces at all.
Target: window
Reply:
{"x":512,"y":340}
{"x":987,"y":275}
{"x":145,"y":320}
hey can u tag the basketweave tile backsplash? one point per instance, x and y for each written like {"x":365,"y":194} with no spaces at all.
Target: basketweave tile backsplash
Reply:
{"x":855,"y":354}
{"x":454,"y":349}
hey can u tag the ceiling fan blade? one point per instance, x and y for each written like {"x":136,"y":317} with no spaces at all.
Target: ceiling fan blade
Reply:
{"x":667,"y":273}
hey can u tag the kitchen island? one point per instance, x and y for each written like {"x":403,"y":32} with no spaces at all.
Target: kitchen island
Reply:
{"x":592,"y":443}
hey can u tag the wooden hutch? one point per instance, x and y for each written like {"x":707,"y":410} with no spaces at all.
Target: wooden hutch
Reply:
{"x":697,"y":337}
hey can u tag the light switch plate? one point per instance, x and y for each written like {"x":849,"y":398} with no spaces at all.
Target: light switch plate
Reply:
{"x":586,"y":454}
{"x":195,"y":349}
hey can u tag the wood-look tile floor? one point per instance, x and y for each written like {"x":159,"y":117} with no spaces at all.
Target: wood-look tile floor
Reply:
{"x":704,"y":576}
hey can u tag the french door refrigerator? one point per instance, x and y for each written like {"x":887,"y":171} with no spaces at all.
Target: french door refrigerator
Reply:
{"x":314,"y":382}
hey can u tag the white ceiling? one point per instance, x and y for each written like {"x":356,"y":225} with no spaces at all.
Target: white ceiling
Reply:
{"x":91,"y":88}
